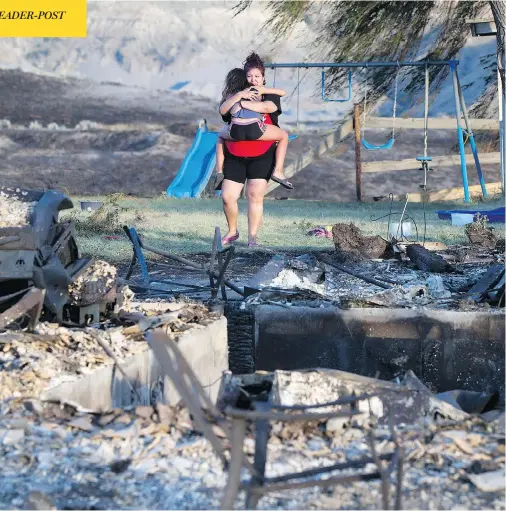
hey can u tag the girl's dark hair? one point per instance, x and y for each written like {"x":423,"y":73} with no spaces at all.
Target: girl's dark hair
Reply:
{"x":253,"y":61}
{"x":234,"y":82}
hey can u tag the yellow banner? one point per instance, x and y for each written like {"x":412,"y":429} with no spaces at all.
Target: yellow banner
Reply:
{"x":42,"y":18}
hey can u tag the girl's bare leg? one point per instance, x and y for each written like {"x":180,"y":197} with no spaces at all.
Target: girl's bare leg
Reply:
{"x":224,"y":134}
{"x":275,"y":133}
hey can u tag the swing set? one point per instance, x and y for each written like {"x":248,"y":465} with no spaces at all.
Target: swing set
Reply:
{"x":460,"y":108}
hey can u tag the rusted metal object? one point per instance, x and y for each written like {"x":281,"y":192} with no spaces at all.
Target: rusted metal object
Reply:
{"x":36,"y":250}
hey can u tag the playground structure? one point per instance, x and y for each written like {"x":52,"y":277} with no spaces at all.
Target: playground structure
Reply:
{"x":198,"y":164}
{"x":460,"y":110}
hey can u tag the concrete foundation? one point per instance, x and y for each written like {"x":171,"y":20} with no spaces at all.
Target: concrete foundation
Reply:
{"x":205,"y":350}
{"x":447,"y":350}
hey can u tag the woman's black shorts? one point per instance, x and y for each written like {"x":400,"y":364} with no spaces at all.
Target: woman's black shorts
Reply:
{"x":240,"y":168}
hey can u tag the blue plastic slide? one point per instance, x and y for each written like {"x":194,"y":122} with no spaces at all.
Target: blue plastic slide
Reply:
{"x":197,"y":166}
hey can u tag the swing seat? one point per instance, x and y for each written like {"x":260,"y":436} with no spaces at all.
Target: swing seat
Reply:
{"x":292,"y":137}
{"x":343,"y":100}
{"x":371,"y":147}
{"x":424,"y":158}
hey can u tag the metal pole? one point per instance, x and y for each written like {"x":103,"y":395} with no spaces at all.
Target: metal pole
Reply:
{"x":307,"y":65}
{"x":358,"y":160}
{"x":460,"y":135}
{"x":426,"y":112}
{"x":502,"y":135}
{"x":471,"y":138}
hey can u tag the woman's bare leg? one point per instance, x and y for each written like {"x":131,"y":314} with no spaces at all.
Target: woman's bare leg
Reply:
{"x":255,"y":192}
{"x":220,"y":155}
{"x":230,"y":193}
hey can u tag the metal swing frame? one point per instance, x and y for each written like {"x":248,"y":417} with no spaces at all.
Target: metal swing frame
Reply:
{"x":460,"y":105}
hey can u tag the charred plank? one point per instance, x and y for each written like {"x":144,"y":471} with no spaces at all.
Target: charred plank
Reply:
{"x":426,"y":260}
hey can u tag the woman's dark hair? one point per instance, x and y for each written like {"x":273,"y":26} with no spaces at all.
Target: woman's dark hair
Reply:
{"x":253,"y":61}
{"x":234,"y":82}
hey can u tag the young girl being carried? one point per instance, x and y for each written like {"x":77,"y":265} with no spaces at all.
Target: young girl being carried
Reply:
{"x":248,"y":124}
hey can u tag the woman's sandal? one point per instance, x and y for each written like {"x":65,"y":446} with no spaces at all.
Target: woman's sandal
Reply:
{"x":226,"y":240}
{"x":218,"y":180}
{"x":283,"y":182}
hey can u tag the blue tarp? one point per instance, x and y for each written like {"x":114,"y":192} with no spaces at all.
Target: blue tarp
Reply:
{"x":493,"y":215}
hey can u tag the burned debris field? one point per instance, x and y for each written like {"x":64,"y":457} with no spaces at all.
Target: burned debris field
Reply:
{"x":368,"y":374}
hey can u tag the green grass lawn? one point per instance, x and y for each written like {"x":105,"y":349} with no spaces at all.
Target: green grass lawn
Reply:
{"x":185,"y":226}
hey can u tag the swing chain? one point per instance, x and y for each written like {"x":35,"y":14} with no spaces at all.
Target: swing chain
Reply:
{"x":426,"y":111}
{"x":395,"y":100}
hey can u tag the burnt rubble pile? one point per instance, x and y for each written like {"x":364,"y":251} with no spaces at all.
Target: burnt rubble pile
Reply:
{"x":367,"y":271}
{"x":65,"y":458}
{"x":32,"y":362}
{"x":75,"y":341}
{"x":41,"y":273}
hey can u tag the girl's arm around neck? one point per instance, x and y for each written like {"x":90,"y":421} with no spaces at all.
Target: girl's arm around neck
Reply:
{"x":230,"y":102}
{"x":270,"y":90}
{"x":261,"y":107}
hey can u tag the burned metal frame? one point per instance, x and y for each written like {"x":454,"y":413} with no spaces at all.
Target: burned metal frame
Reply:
{"x":40,"y":254}
{"x":220,"y":256}
{"x":234,"y":423}
{"x":28,"y":306}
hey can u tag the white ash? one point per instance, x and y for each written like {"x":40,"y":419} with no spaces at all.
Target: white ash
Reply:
{"x":132,"y":462}
{"x":289,"y":279}
{"x":436,"y":287}
{"x":14,"y":212}
{"x":95,"y":282}
{"x":32,"y":363}
{"x":401,"y":296}
{"x":124,"y":299}
{"x":55,"y":354}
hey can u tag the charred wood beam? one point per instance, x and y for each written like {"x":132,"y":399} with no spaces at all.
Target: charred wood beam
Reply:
{"x":370,"y":280}
{"x":426,"y":260}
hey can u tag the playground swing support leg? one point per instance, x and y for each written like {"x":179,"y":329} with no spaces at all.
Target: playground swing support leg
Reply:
{"x":460,"y":107}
